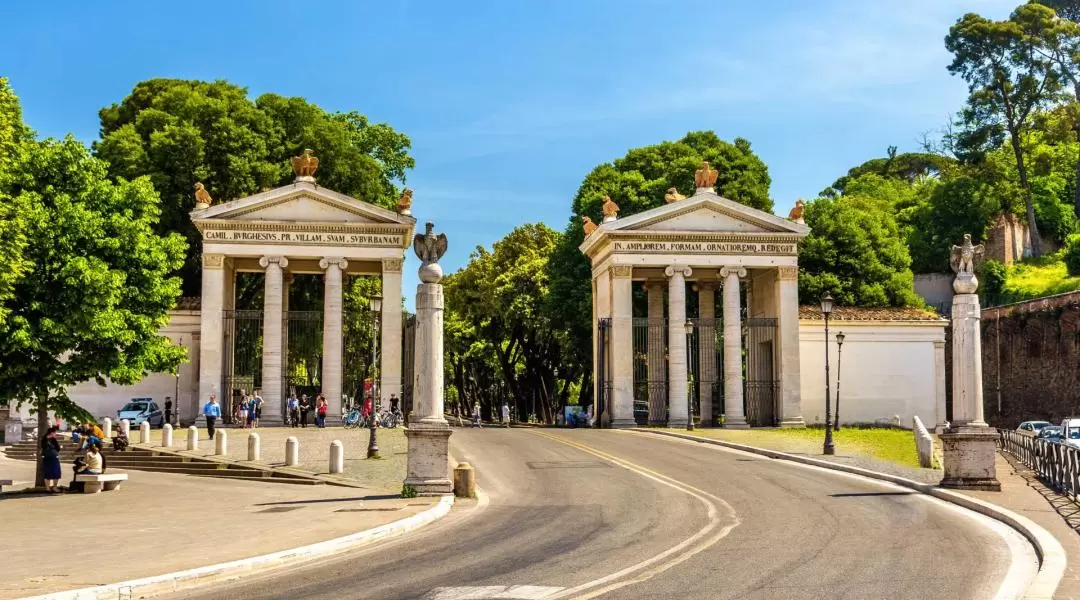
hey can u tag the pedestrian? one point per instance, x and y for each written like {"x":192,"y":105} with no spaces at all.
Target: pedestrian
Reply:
{"x":243,"y":409}
{"x":294,"y":411}
{"x":50,"y":460}
{"x":168,"y":412}
{"x":506,"y":414}
{"x":305,"y":407}
{"x":252,"y":412}
{"x":211,"y":411}
{"x":477,"y":421}
{"x":119,"y":441}
{"x":94,"y":464}
{"x":257,"y":402}
{"x":320,"y":412}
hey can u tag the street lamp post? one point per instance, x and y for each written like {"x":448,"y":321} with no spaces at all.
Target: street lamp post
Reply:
{"x":373,"y":444}
{"x":826,"y":309}
{"x":689,"y":327}
{"x":839,"y":348}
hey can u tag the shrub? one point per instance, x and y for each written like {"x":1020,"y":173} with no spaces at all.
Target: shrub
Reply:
{"x":1072,"y":254}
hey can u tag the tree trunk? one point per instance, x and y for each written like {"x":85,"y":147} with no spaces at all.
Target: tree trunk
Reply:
{"x":1029,"y":202}
{"x":43,"y":426}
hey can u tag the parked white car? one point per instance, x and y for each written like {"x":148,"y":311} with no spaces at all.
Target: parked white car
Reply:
{"x":1070,"y":431}
{"x":1032,"y":428}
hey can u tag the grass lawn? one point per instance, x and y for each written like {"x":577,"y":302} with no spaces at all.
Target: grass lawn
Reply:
{"x":892,"y":445}
{"x":1039,"y":277}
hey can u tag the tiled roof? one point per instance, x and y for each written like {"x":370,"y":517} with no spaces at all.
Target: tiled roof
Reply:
{"x":188,"y":303}
{"x":855,"y":313}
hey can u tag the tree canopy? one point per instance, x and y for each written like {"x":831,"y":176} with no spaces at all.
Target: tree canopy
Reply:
{"x":179,"y":132}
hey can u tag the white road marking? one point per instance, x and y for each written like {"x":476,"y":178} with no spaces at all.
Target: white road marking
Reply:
{"x":501,"y":592}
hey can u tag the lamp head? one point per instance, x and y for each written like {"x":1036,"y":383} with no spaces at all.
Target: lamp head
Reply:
{"x":376,"y":302}
{"x":840,"y":338}
{"x":826,"y":303}
{"x":689,"y":327}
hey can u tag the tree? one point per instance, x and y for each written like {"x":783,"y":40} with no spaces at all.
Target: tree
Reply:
{"x":98,"y":286}
{"x":13,"y":135}
{"x":1007,"y":81}
{"x":909,"y":167}
{"x":855,"y":251}
{"x":179,"y":132}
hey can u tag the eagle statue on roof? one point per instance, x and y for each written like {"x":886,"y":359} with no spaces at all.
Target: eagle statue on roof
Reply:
{"x":305,"y":165}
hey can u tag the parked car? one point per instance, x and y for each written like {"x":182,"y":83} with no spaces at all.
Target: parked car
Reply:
{"x":139,"y":410}
{"x":1070,"y":431}
{"x":1050,"y":432}
{"x":1032,"y":427}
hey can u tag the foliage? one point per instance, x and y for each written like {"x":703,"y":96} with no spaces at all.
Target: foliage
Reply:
{"x":1071,"y":255}
{"x":992,"y":278}
{"x":179,"y":132}
{"x":855,"y":252}
{"x":13,"y":137}
{"x":1045,"y":276}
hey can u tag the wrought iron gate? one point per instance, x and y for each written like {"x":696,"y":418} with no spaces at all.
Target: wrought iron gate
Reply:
{"x":302,"y":363}
{"x":408,"y":363}
{"x":603,"y":370}
{"x":650,"y":371}
{"x":759,"y":371}
{"x":242,"y":346}
{"x":358,"y":359}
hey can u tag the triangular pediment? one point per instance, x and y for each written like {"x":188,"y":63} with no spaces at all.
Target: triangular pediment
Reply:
{"x":301,"y":202}
{"x":705,"y":211}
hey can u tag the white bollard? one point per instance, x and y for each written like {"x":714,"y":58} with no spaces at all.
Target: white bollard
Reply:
{"x":166,"y":436}
{"x":253,"y":446}
{"x":337,"y":457}
{"x":106,"y":426}
{"x":292,"y":452}
{"x":221,"y":438}
{"x":125,"y":426}
{"x":144,"y":433}
{"x":193,"y":438}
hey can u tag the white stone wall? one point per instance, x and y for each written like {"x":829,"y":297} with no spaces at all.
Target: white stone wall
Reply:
{"x":105,"y":401}
{"x":887,"y":369}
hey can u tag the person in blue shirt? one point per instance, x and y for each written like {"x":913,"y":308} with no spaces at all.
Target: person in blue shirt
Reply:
{"x":212,"y":412}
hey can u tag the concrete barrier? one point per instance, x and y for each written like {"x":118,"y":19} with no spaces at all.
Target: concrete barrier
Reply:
{"x":166,"y":436}
{"x":464,"y":481}
{"x":337,"y":457}
{"x":193,"y":438}
{"x":292,"y":451}
{"x":221,"y":442}
{"x":125,"y":426}
{"x":924,"y":444}
{"x":144,"y":433}
{"x":253,"y":446}
{"x":106,"y":426}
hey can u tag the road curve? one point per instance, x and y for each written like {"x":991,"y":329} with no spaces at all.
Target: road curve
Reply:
{"x":585,"y":513}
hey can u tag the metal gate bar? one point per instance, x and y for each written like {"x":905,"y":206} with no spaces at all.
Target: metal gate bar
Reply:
{"x":759,"y":371}
{"x":242,"y":369}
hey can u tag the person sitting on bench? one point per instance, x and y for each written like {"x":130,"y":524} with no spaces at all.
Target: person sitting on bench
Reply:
{"x":95,"y":464}
{"x":120,"y":441}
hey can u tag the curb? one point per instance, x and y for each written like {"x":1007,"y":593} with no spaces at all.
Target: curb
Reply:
{"x":172,"y":582}
{"x":1052,"y":559}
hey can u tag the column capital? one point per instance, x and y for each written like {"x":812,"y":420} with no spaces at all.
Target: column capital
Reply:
{"x":336,"y":261}
{"x":787,"y":273}
{"x":683,"y":270}
{"x":280,"y":261}
{"x":213,"y":261}
{"x":392,"y":265}
{"x":735,"y":270}
{"x":622,"y":271}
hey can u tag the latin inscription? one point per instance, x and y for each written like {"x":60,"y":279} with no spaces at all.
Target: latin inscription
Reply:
{"x":705,"y":247}
{"x":300,"y":237}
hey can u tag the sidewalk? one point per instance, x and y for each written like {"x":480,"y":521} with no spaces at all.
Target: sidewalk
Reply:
{"x":159,"y":523}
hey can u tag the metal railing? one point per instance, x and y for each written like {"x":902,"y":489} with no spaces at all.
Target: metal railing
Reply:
{"x":1056,"y":464}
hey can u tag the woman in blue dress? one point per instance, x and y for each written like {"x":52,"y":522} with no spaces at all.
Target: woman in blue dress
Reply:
{"x":50,"y":459}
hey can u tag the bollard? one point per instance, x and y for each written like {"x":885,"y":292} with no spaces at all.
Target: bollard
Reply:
{"x":106,"y":426}
{"x":221,"y":447}
{"x":253,"y":446}
{"x":166,"y":436}
{"x":125,"y":426}
{"x":337,"y":457}
{"x":144,"y":433}
{"x":192,"y":438}
{"x":464,"y":481}
{"x":292,"y":451}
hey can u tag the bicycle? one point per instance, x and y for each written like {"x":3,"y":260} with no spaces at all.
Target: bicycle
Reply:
{"x":353,"y":419}
{"x":390,"y":420}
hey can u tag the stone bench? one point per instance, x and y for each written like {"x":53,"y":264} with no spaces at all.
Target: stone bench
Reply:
{"x":93,"y":484}
{"x":4,"y":482}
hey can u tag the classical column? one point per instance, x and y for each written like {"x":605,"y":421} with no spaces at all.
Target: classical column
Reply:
{"x":621,"y":405}
{"x":286,"y":283}
{"x":677,"y":383}
{"x":657,"y":381}
{"x":332,"y":328}
{"x":734,"y":417}
{"x":940,"y":420}
{"x":273,"y":320}
{"x":390,"y":344}
{"x":706,"y":348}
{"x":210,"y":328}
{"x":787,"y":335}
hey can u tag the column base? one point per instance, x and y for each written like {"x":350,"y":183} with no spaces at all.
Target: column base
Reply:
{"x":793,"y":423}
{"x":677,"y":423}
{"x":735,"y":422}
{"x":623,"y":423}
{"x":428,"y":463}
{"x":657,"y":423}
{"x":970,"y":455}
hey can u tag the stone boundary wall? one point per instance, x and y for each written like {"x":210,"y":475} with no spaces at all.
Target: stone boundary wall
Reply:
{"x":1035,"y":305}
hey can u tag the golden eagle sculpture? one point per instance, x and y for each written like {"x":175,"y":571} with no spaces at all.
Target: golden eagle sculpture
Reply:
{"x":588,"y":225}
{"x":610,"y":209}
{"x":404,"y":204}
{"x":673,"y":195}
{"x":202,"y":197}
{"x":305,"y":165}
{"x":705,"y":177}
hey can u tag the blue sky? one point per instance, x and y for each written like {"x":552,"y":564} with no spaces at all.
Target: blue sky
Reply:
{"x":510,"y":104}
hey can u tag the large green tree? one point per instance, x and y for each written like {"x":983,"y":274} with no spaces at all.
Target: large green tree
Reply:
{"x":13,"y":137}
{"x":179,"y":132}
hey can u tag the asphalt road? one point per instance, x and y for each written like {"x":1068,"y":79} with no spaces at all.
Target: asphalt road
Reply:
{"x":582,"y":514}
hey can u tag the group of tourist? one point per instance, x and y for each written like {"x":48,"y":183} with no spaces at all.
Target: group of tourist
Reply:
{"x":91,"y":463}
{"x":248,"y":410}
{"x":299,"y":408}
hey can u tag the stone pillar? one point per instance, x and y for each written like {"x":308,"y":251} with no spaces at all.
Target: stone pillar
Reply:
{"x":429,"y":436}
{"x":192,"y":438}
{"x":166,"y":436}
{"x":332,"y":335}
{"x":144,"y":432}
{"x":337,"y":457}
{"x":734,"y":417}
{"x":968,"y":443}
{"x":210,"y":329}
{"x":106,"y":427}
{"x":787,"y":337}
{"x":253,"y":446}
{"x":677,"y":383}
{"x":292,"y":451}
{"x":940,"y":417}
{"x":706,"y":349}
{"x":273,"y":320}
{"x":125,"y":426}
{"x":656,"y":366}
{"x":390,"y":344}
{"x":621,"y":403}
{"x":286,"y":283}
{"x":221,"y":442}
